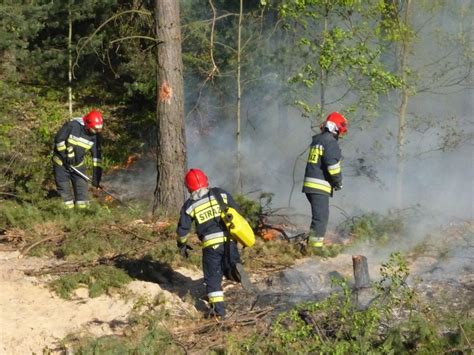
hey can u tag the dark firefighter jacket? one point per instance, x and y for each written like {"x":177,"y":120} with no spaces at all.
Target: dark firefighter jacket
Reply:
{"x":205,"y":212}
{"x":71,"y":144}
{"x":323,"y":169}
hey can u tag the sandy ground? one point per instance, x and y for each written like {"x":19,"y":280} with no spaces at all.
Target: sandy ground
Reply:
{"x":33,"y":318}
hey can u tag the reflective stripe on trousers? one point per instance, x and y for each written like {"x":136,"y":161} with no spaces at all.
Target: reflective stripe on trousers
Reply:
{"x":70,"y":186}
{"x":212,"y":259}
{"x":319,"y":216}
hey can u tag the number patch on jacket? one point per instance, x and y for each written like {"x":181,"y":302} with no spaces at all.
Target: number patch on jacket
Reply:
{"x":314,"y":153}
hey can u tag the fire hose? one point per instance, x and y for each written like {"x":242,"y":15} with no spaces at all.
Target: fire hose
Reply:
{"x":87,"y":178}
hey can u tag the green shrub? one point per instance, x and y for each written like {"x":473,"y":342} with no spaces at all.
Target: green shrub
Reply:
{"x":389,"y":324}
{"x":252,"y":210}
{"x":373,"y":227}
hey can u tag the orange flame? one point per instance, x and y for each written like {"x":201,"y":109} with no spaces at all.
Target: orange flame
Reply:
{"x":131,"y":159}
{"x":270,"y":234}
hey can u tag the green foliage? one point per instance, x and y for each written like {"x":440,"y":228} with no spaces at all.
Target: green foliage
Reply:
{"x":373,"y":227}
{"x":99,"y":280}
{"x":146,"y":335}
{"x":267,"y":254}
{"x":253,"y":210}
{"x":338,"y":325}
{"x":334,"y":55}
{"x":33,"y":79}
{"x":26,"y":141}
{"x":27,"y":215}
{"x":328,"y":251}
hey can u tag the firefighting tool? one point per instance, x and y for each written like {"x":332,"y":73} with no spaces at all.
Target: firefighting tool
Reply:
{"x":236,"y":224}
{"x":335,"y":123}
{"x":239,"y":271}
{"x":93,"y":121}
{"x":84,"y":176}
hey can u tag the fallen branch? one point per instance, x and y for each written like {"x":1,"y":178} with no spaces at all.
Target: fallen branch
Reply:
{"x":465,"y":336}
{"x":31,"y":246}
{"x":72,"y":267}
{"x":245,"y":319}
{"x":309,"y":320}
{"x":176,"y":341}
{"x":134,"y":234}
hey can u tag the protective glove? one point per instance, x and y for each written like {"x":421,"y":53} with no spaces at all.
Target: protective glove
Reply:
{"x":183,"y":249}
{"x":70,"y":161}
{"x":337,"y":187}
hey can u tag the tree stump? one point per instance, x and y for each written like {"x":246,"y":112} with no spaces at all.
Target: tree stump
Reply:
{"x":361,"y":271}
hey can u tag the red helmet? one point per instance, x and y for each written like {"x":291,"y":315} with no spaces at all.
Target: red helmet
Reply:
{"x":335,"y":123}
{"x":195,"y":179}
{"x":93,"y":121}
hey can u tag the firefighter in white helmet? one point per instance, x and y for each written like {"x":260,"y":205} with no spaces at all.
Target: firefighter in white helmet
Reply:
{"x":323,"y":175}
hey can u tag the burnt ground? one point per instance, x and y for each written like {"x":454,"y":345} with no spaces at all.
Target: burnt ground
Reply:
{"x":33,"y":318}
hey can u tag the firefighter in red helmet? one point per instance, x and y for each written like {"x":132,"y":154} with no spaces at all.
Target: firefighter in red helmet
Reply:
{"x":72,"y":142}
{"x":220,"y":255}
{"x":323,"y":175}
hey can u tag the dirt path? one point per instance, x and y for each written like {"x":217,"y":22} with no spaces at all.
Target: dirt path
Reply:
{"x":33,"y":318}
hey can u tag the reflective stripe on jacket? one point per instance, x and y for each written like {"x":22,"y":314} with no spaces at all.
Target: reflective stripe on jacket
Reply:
{"x":204,"y":212}
{"x":73,"y":142}
{"x":323,"y":168}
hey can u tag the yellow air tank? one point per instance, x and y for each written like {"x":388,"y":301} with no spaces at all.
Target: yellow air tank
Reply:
{"x":238,"y":227}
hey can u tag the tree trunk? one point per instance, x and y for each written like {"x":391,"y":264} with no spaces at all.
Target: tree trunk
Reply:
{"x":69,"y":53}
{"x":171,"y":146}
{"x":238,"y":109}
{"x":361,"y":271}
{"x":402,"y":109}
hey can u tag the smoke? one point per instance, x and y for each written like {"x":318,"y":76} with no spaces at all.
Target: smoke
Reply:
{"x":437,"y":179}
{"x":137,"y":182}
{"x":439,"y":164}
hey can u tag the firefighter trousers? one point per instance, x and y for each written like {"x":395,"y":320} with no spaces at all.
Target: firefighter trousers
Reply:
{"x":77,"y":195}
{"x":319,"y":214}
{"x":215,"y":265}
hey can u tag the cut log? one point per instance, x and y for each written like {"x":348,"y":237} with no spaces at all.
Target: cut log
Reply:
{"x":361,"y":271}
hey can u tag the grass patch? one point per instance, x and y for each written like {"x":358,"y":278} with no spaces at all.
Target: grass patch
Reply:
{"x":145,"y":335}
{"x":98,"y":280}
{"x":271,"y":253}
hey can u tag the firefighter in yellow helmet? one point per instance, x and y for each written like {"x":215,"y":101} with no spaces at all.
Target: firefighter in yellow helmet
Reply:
{"x":323,"y":175}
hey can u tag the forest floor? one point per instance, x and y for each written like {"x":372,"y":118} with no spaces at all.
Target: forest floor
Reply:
{"x":33,"y":318}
